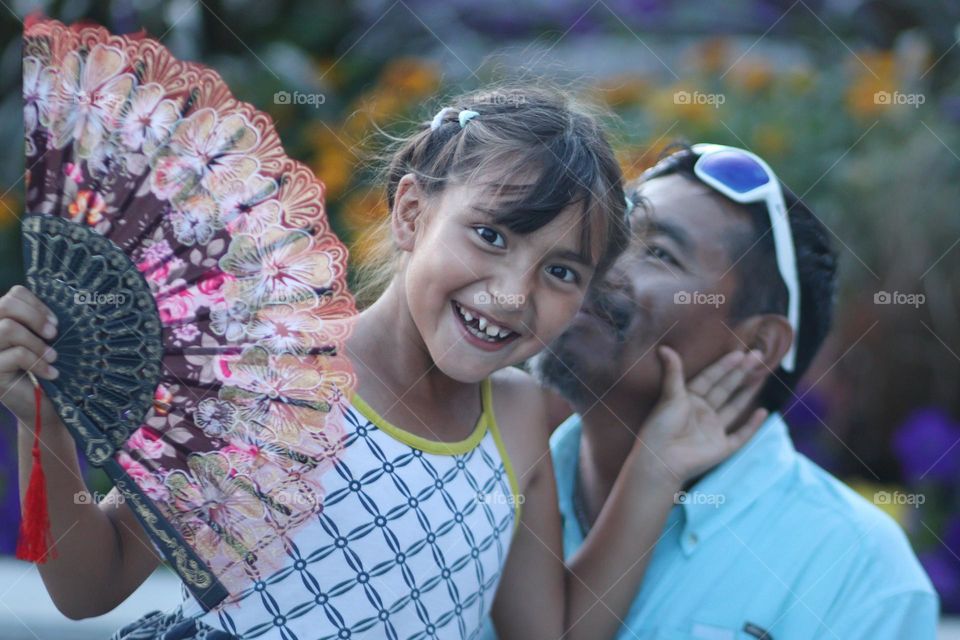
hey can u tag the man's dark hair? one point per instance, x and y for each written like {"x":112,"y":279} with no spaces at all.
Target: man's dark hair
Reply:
{"x":761,"y":289}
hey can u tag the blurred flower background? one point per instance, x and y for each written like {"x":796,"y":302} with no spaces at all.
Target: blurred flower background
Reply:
{"x":856,"y":103}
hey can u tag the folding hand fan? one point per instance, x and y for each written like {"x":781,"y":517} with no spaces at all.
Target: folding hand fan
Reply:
{"x":200,"y":295}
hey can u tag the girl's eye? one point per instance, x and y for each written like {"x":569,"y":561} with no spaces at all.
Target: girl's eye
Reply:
{"x":563,"y":273}
{"x":491,"y":236}
{"x":661,"y":254}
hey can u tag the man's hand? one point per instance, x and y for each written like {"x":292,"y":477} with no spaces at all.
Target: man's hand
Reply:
{"x":691,"y":429}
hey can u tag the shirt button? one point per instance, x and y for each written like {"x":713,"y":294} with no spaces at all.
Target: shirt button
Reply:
{"x":693,"y":538}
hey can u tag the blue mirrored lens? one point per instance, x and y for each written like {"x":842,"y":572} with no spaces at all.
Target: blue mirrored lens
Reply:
{"x":738,"y":171}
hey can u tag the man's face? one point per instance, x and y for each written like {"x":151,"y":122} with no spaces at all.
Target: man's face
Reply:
{"x":673,"y":286}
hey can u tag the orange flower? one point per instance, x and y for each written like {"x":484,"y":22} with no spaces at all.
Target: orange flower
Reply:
{"x":751,"y":76}
{"x":89,"y":205}
{"x":711,"y":55}
{"x":162,"y":400}
{"x":413,"y":78}
{"x":9,"y":206}
{"x":770,"y":140}
{"x":364,"y":208}
{"x":874,"y":74}
{"x":623,"y":90}
{"x":334,"y":159}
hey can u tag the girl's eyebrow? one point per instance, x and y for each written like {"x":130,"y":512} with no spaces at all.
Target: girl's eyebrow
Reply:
{"x":574,"y":256}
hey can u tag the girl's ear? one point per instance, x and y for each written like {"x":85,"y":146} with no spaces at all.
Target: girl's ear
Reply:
{"x":408,"y":206}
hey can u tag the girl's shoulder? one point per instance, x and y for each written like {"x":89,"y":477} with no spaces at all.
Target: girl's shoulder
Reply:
{"x":520,"y":406}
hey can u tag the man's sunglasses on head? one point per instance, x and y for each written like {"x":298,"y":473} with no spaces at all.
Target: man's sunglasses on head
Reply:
{"x":745,"y":178}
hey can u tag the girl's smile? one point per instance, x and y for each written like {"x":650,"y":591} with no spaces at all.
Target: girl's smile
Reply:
{"x":483,"y":331}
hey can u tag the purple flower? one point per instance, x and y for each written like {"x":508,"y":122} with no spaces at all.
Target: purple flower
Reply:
{"x":806,"y":417}
{"x":944,"y":572}
{"x":927,"y":445}
{"x":951,"y":107}
{"x":9,"y":493}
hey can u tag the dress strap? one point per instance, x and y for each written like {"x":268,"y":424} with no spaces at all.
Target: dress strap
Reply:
{"x":486,"y":393}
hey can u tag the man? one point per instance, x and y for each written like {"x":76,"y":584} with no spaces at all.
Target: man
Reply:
{"x":767,"y":544}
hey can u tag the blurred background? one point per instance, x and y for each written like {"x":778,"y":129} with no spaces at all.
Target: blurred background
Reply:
{"x":856,"y":103}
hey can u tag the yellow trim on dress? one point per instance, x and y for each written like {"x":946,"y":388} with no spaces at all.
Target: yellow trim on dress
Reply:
{"x":419,"y":442}
{"x":487,"y":394}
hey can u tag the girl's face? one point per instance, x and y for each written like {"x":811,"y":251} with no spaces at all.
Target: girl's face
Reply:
{"x":483,"y":297}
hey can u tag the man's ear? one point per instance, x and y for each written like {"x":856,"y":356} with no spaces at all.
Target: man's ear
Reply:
{"x":408,"y":206}
{"x":768,"y":333}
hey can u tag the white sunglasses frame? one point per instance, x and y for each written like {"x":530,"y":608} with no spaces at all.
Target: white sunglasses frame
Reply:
{"x":772,"y":195}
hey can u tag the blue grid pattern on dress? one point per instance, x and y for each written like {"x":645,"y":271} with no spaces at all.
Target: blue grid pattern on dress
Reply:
{"x":409,"y":544}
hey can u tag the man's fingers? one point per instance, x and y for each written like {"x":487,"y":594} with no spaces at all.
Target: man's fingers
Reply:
{"x":706,"y":379}
{"x":673,"y":383}
{"x":729,"y":383}
{"x":737,"y":439}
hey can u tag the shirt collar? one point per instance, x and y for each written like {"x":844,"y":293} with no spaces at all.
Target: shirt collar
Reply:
{"x":713,"y":502}
{"x":737,"y":482}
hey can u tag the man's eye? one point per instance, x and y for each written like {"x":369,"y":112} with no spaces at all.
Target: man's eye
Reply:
{"x":563,"y":273}
{"x":660,"y":254}
{"x":491,"y":236}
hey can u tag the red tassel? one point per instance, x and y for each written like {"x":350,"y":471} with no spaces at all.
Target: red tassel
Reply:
{"x":34,"y":544}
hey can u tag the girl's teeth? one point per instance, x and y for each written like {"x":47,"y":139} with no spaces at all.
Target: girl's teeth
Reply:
{"x":487,"y":329}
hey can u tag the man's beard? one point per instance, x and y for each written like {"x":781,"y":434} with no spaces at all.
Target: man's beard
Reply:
{"x":555,"y":368}
{"x":558,"y":366}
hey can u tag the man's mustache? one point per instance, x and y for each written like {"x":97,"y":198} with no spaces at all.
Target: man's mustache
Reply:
{"x":612,"y":301}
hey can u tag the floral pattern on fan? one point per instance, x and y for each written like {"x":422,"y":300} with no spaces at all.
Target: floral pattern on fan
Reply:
{"x":232,"y":239}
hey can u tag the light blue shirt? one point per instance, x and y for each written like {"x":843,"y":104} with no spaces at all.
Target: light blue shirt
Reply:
{"x":768,"y":541}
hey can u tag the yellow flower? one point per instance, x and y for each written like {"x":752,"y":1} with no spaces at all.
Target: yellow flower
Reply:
{"x":751,"y":75}
{"x":622,"y":90}
{"x":875,"y":74}
{"x":413,"y":78}
{"x":363,"y":208}
{"x":9,"y":210}
{"x":634,"y":160}
{"x":800,"y":80}
{"x":882,"y":497}
{"x":334,"y":160}
{"x":328,"y":71}
{"x":686,"y":103}
{"x":711,"y":55}
{"x":770,"y":140}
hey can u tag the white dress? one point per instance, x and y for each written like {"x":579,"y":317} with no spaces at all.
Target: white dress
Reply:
{"x":410,"y":543}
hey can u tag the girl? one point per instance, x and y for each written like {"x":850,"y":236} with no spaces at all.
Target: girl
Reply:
{"x":442,"y":508}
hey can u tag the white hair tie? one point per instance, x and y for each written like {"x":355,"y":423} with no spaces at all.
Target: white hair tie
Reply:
{"x":465,"y":116}
{"x":437,"y":121}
